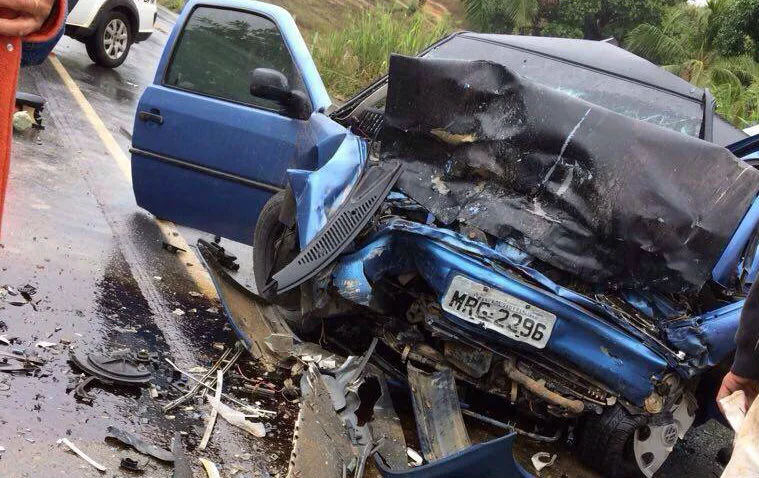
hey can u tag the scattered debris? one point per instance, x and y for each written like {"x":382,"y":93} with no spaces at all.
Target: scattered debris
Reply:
{"x":225,"y":362}
{"x":416,"y":458}
{"x":45,"y":345}
{"x":82,"y":455}
{"x":178,"y":312}
{"x":218,"y":345}
{"x":439,"y":186}
{"x":235,"y":418}
{"x":120,"y":368}
{"x":210,"y":468}
{"x":139,"y":444}
{"x":198,"y":370}
{"x":5,"y":340}
{"x":226,"y":260}
{"x":158,"y":278}
{"x":172,"y":248}
{"x":131,"y":465}
{"x":542,"y":459}
{"x":182,"y":467}
{"x":192,"y":293}
{"x":214,"y":411}
{"x":22,"y":121}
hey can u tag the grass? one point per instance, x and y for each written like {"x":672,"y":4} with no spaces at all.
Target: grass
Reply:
{"x":351,"y":58}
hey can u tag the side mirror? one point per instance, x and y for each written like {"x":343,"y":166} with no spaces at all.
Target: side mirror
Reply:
{"x":273,"y":85}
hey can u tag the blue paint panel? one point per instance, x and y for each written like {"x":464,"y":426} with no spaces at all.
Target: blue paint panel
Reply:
{"x":203,"y":212}
{"x":726,"y":270}
{"x":320,"y":193}
{"x":593,"y":345}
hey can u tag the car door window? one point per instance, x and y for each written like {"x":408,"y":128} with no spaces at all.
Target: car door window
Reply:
{"x":219,"y":48}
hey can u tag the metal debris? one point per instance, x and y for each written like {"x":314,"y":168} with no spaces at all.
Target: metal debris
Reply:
{"x":214,"y":412}
{"x":82,"y":455}
{"x":139,"y":444}
{"x":172,"y":248}
{"x":131,"y":465}
{"x":121,"y":368}
{"x":182,"y":467}
{"x":542,"y":459}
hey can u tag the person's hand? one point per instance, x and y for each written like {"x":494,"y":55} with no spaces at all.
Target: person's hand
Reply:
{"x":732,"y":383}
{"x":19,"y":18}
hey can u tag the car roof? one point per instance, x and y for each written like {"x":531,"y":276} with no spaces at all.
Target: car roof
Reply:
{"x":598,"y":55}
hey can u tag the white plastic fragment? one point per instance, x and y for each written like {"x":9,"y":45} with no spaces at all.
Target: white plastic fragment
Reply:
{"x":416,"y":458}
{"x":235,"y":418}
{"x":177,"y":311}
{"x":81,"y":454}
{"x":43,"y":344}
{"x":214,"y":412}
{"x":210,"y":468}
{"x":542,"y":459}
{"x":5,"y":340}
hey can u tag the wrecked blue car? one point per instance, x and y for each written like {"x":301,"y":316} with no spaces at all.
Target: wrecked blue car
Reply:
{"x":554,"y":223}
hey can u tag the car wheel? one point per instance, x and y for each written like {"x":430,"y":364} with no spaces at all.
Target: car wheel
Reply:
{"x":606,"y":442}
{"x":110,"y":43}
{"x":274,"y":246}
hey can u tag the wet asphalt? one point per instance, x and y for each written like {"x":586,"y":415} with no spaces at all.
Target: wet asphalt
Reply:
{"x":103,"y":283}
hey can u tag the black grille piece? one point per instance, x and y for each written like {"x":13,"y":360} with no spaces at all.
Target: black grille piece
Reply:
{"x":370,"y":122}
{"x":341,"y":229}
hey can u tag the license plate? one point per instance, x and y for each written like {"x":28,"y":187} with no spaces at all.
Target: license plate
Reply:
{"x":498,"y":311}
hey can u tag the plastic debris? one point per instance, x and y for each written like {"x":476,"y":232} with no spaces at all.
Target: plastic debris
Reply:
{"x":235,"y":418}
{"x":45,"y":345}
{"x":414,"y":456}
{"x":214,"y":412}
{"x":82,"y":455}
{"x":171,"y":247}
{"x":210,"y":468}
{"x":542,"y":460}
{"x":131,"y":465}
{"x":178,"y":311}
{"x":139,"y":444}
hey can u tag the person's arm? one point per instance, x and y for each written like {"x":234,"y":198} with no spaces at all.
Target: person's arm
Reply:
{"x":746,"y":363}
{"x":744,"y":374}
{"x":38,"y":45}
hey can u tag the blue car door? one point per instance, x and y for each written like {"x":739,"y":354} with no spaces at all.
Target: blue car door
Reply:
{"x":206,"y":152}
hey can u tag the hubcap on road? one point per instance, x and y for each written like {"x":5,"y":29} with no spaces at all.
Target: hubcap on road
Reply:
{"x":115,"y":38}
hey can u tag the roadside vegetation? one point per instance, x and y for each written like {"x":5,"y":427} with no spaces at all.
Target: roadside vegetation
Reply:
{"x":713,"y":46}
{"x":350,"y":58}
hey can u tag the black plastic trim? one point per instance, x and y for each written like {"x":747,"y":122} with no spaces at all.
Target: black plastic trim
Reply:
{"x":341,"y":228}
{"x":206,"y":170}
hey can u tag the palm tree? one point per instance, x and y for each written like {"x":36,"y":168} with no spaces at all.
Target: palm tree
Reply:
{"x":514,"y":16}
{"x":684,"y":45}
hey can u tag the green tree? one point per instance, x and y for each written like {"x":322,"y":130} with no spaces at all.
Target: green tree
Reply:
{"x":502,"y":16}
{"x":738,"y":28}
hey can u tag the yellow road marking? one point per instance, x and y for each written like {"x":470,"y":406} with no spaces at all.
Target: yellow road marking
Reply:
{"x":195,"y":269}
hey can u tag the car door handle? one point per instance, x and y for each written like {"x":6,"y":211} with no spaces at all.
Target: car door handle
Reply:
{"x":152,"y":117}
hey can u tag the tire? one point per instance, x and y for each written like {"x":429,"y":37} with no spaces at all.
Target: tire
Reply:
{"x":606,"y":443}
{"x":274,"y":246}
{"x":110,"y":44}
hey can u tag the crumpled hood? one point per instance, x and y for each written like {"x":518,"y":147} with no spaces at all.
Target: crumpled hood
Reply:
{"x":615,"y":201}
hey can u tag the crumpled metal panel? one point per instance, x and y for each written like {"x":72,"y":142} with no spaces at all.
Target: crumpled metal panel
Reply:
{"x":613,"y":200}
{"x":587,"y":337}
{"x":709,"y":338}
{"x":318,"y":194}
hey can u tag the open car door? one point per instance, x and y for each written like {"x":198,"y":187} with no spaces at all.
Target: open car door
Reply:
{"x":235,"y":102}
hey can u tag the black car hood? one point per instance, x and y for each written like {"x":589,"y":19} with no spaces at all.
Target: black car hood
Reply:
{"x":613,"y":200}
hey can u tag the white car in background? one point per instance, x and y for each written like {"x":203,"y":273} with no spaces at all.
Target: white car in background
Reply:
{"x":109,"y":27}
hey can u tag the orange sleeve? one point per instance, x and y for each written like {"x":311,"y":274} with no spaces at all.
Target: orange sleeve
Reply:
{"x":52,"y":25}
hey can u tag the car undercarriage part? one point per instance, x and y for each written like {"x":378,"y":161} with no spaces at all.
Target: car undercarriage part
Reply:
{"x":654,"y":441}
{"x":341,"y":228}
{"x":540,"y":389}
{"x":260,"y":325}
{"x":439,"y":422}
{"x":120,"y":368}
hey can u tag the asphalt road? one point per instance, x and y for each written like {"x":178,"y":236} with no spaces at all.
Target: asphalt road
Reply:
{"x":73,"y":231}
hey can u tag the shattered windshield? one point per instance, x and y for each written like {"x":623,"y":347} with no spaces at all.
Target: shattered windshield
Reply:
{"x":622,"y":96}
